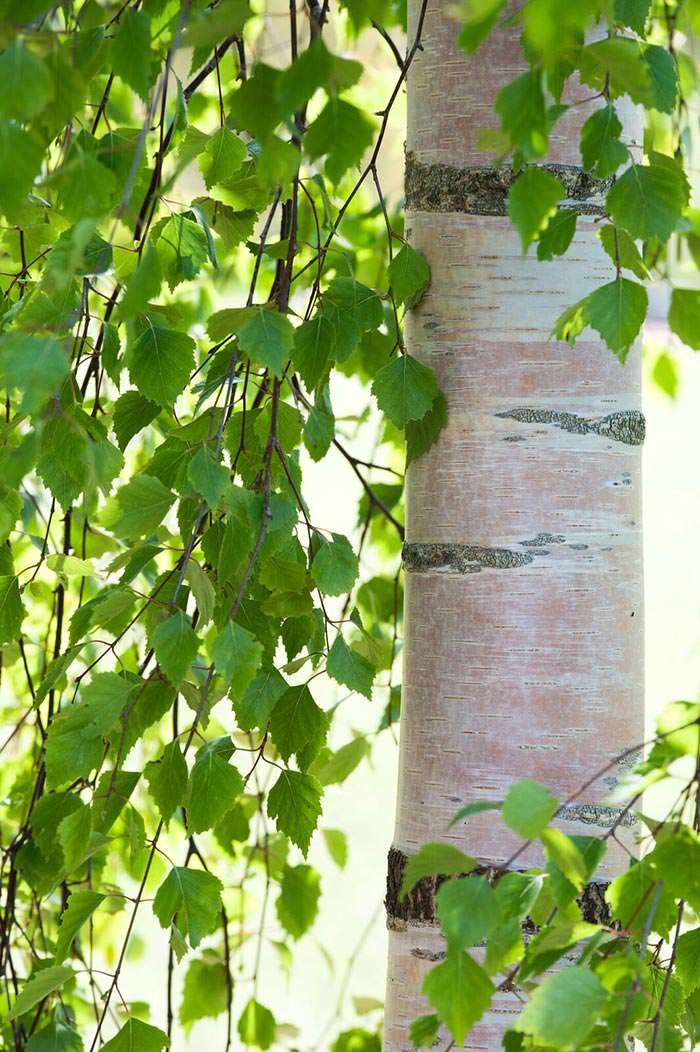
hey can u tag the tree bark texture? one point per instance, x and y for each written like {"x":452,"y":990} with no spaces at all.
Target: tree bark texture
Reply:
{"x":524,"y":620}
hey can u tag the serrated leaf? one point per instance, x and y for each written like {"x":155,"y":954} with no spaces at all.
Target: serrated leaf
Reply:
{"x":167,"y":780}
{"x":19,"y":67}
{"x":297,"y":903}
{"x":268,"y":339}
{"x":137,"y":1036}
{"x":160,"y":361}
{"x":295,"y":802}
{"x":409,"y":276}
{"x":298,"y":726}
{"x":255,"y":708}
{"x":632,"y":13}
{"x":349,"y":668}
{"x":565,"y":1008}
{"x":622,"y":250}
{"x":41,"y":985}
{"x":405,"y":389}
{"x":532,"y":200}
{"x":460,"y":992}
{"x":335,"y":566}
{"x":528,"y":808}
{"x":647,"y":200}
{"x":131,"y":51}
{"x":601,"y":149}
{"x":208,"y":476}
{"x":36,"y":366}
{"x":423,"y":434}
{"x":468,"y":911}
{"x":688,"y":960}
{"x":257,"y":1025}
{"x":205,"y":990}
{"x":341,"y":133}
{"x":132,"y":412}
{"x":237,"y":655}
{"x":617,"y":311}
{"x":138,"y":508}
{"x":222,"y":157}
{"x":81,"y":906}
{"x":314,"y":343}
{"x":195,"y":896}
{"x":684,"y":316}
{"x":215,"y":785}
{"x":142,"y":286}
{"x":176,"y":645}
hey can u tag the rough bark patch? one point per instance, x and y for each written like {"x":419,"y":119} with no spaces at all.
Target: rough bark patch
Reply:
{"x":419,"y":906}
{"x":484,"y":190}
{"x":597,"y":815}
{"x":627,"y":426}
{"x":461,"y":558}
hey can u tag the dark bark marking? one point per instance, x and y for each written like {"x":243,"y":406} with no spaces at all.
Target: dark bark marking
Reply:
{"x":484,"y":190}
{"x":597,"y":815}
{"x":419,"y":905}
{"x":461,"y":558}
{"x":627,"y":426}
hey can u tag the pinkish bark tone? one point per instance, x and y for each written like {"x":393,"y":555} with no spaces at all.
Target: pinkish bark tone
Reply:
{"x":524,"y":618}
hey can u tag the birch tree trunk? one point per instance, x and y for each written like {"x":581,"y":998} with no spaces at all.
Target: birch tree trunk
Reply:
{"x":524,"y":631}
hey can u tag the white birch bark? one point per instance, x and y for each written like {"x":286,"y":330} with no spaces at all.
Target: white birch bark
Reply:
{"x":524,"y":621}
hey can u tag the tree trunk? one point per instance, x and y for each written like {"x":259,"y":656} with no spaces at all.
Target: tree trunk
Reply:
{"x":524,"y":632}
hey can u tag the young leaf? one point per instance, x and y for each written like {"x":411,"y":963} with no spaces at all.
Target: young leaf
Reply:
{"x":688,"y":960}
{"x":167,"y":780}
{"x":204,"y":993}
{"x":460,"y":992}
{"x":138,"y":508}
{"x":136,"y":1034}
{"x":405,"y":389}
{"x":617,"y":311}
{"x":268,"y":339}
{"x":601,"y":149}
{"x":349,"y":668}
{"x":195,"y":896}
{"x":175,"y":644}
{"x":435,"y":859}
{"x":295,"y":801}
{"x":298,"y":725}
{"x":684,"y":316}
{"x":532,"y":201}
{"x":342,"y":133}
{"x":160,"y":362}
{"x":237,"y":655}
{"x":41,"y":985}
{"x":131,"y":51}
{"x":223,"y":156}
{"x":468,"y":910}
{"x":297,"y":903}
{"x":335,"y":566}
{"x":209,"y":478}
{"x":409,"y":276}
{"x":215,"y":785}
{"x":565,"y":1008}
{"x":647,"y":200}
{"x":314,"y":343}
{"x":422,"y":435}
{"x":81,"y":906}
{"x":528,"y":808}
{"x":257,"y":1025}
{"x":132,"y":412}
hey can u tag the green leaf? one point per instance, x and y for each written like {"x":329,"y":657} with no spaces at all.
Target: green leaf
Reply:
{"x":257,"y":1025}
{"x":160,"y":362}
{"x":167,"y":780}
{"x":663,"y":76}
{"x":665,"y":374}
{"x":175,"y":644}
{"x":297,"y":903}
{"x":468,"y":910}
{"x":208,"y":476}
{"x":676,"y":859}
{"x":688,"y":960}
{"x":319,"y":430}
{"x":460,"y":992}
{"x":563,"y":852}
{"x":138,"y":508}
{"x":601,"y":149}
{"x":20,"y":68}
{"x":136,"y":1036}
{"x":617,"y":311}
{"x":268,"y":339}
{"x":132,"y":412}
{"x":349,"y":668}
{"x":142,"y":286}
{"x":405,"y":389}
{"x":298,"y":725}
{"x":565,"y":1008}
{"x":474,"y":809}
{"x":557,"y":235}
{"x":195,"y":896}
{"x":11,"y":610}
{"x":74,"y":744}
{"x":256,"y":706}
{"x":521,"y":107}
{"x":237,"y":655}
{"x":131,"y":51}
{"x":409,"y":276}
{"x":528,"y":808}
{"x":335,"y":768}
{"x":183,"y":248}
{"x":21,"y":157}
{"x":478,"y":21}
{"x":422,"y":435}
{"x":205,"y":990}
{"x":58,"y":1036}
{"x":81,"y":906}
{"x":314,"y":343}
{"x":341,"y":133}
{"x":223,"y":156}
{"x":684,"y":316}
{"x":215,"y":785}
{"x":295,"y":801}
{"x":335,"y":566}
{"x":632,"y":13}
{"x":647,"y":200}
{"x":435,"y":859}
{"x":36,"y":366}
{"x":532,"y":201}
{"x":622,"y":250}
{"x":337,"y":845}
{"x":40,"y":986}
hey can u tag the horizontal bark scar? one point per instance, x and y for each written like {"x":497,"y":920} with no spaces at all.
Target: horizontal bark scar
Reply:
{"x":461,"y":558}
{"x":484,"y":190}
{"x":419,"y":906}
{"x":627,"y":426}
{"x":597,"y":815}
